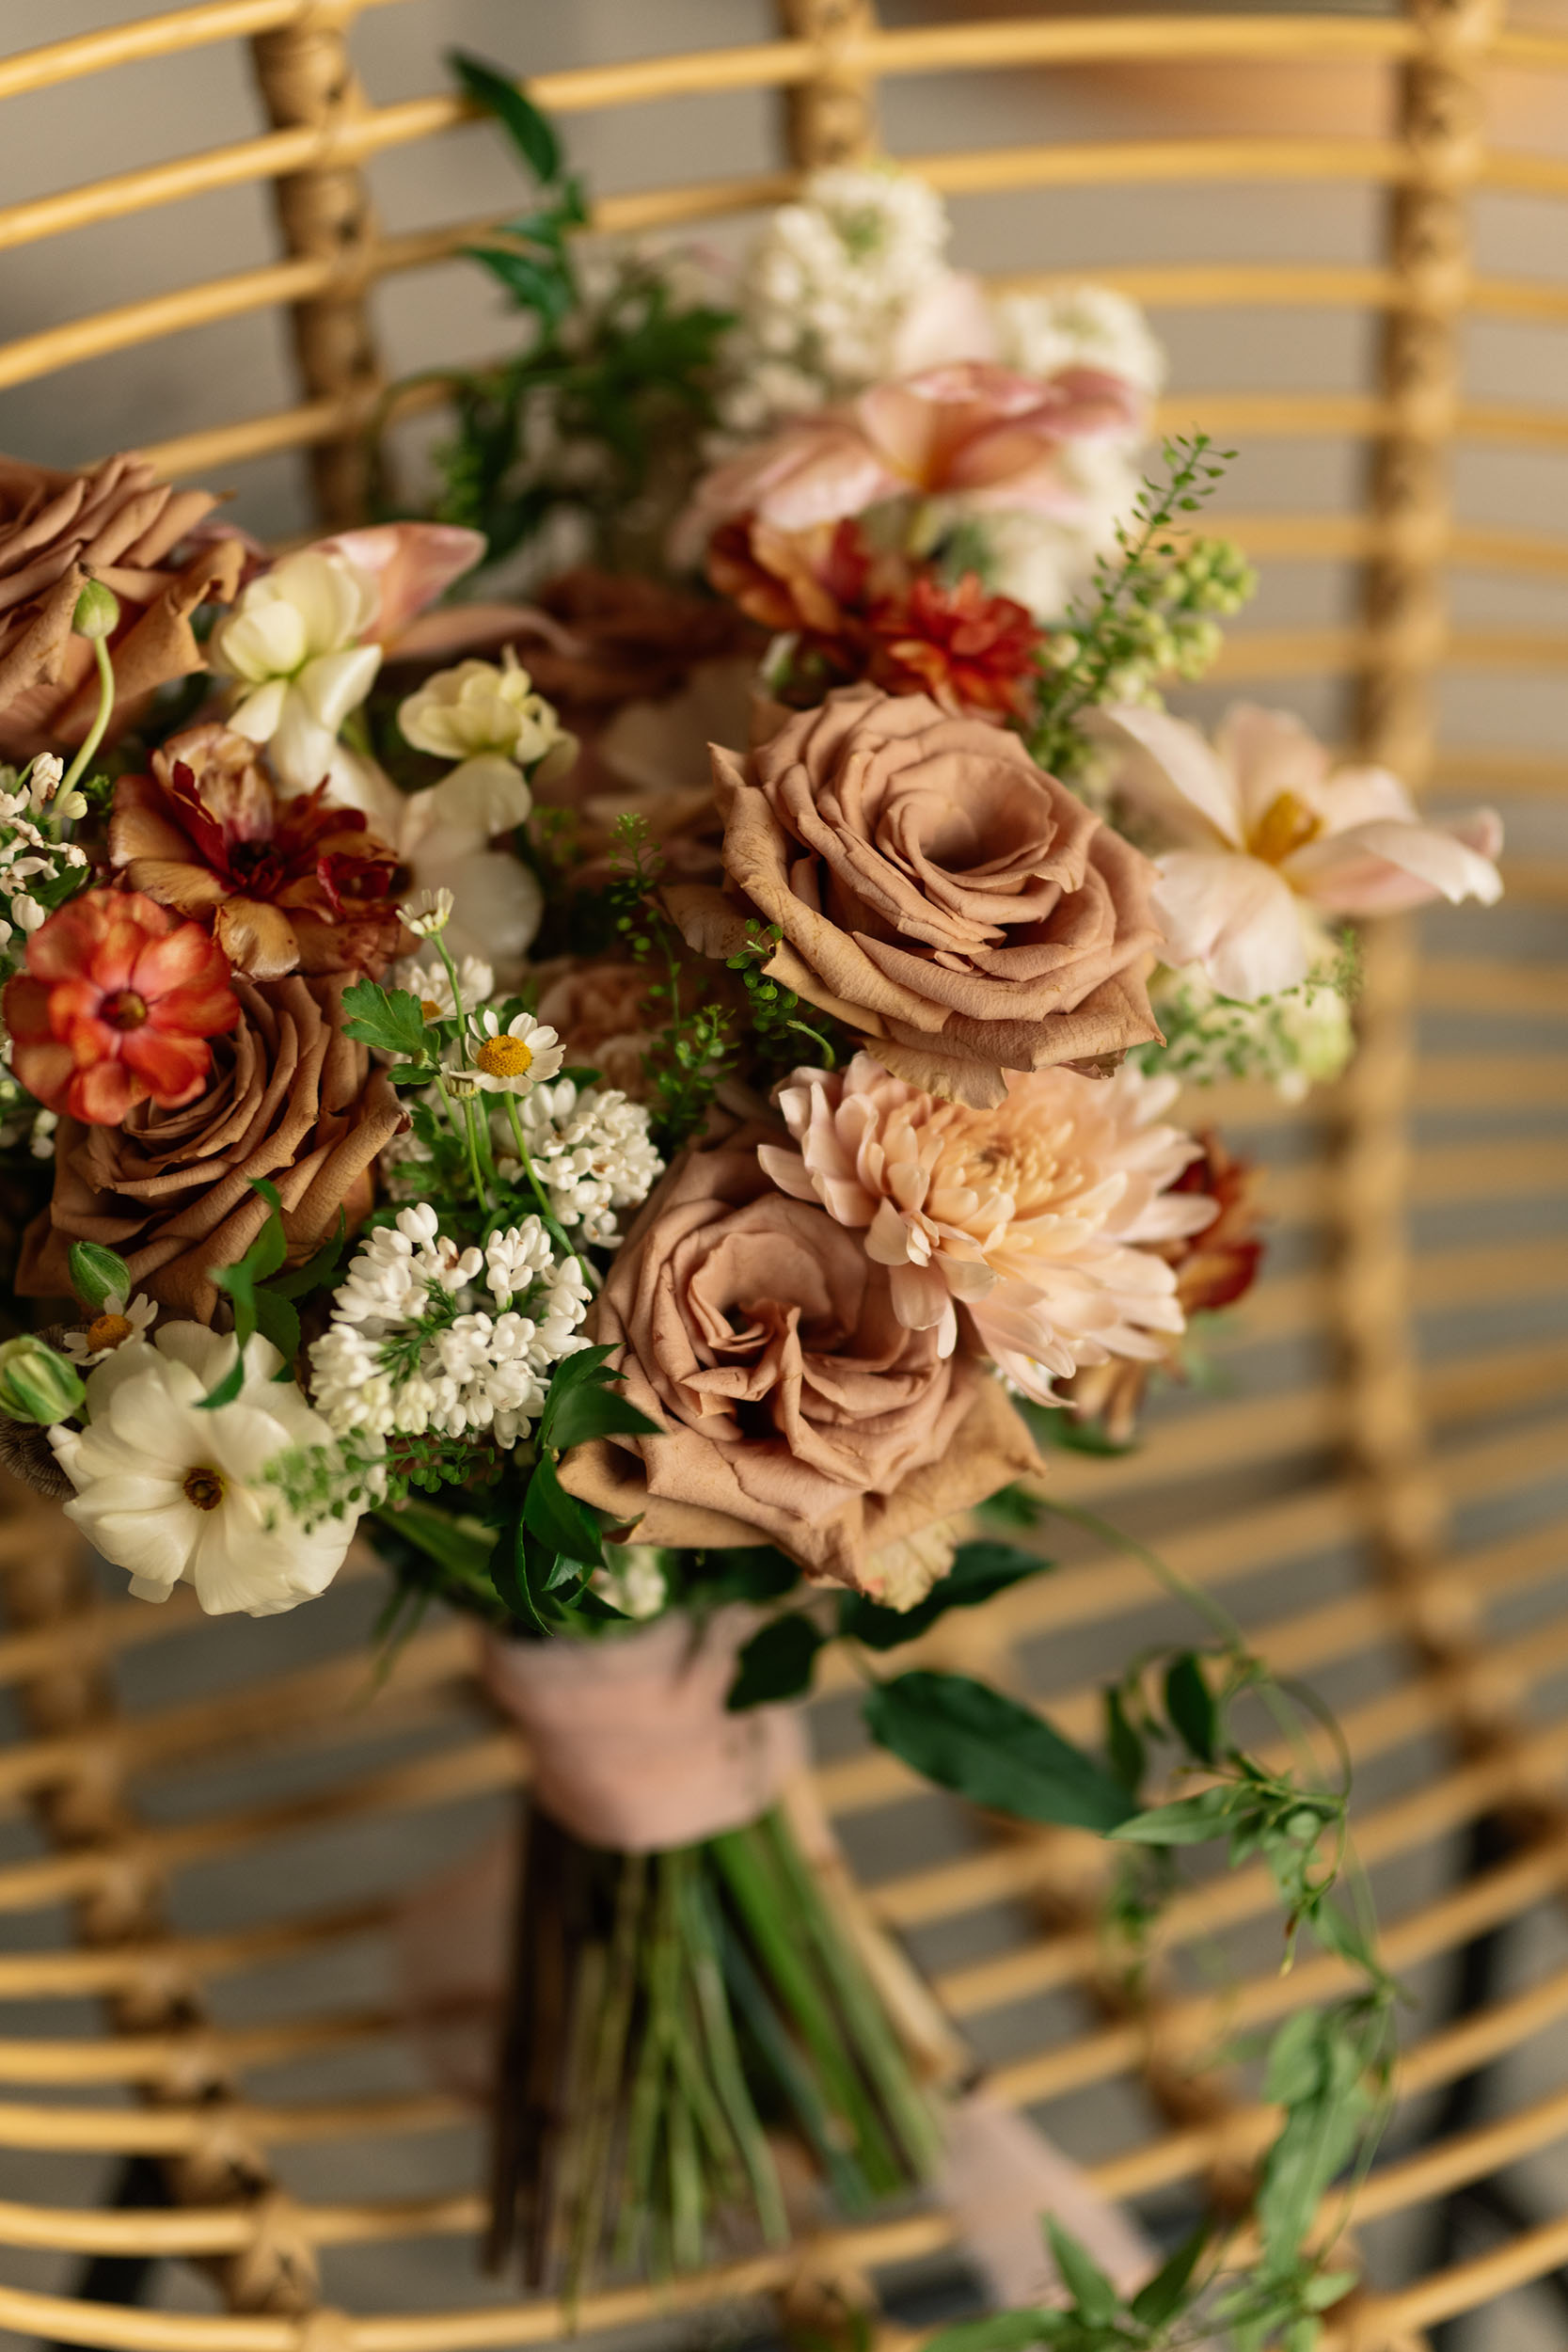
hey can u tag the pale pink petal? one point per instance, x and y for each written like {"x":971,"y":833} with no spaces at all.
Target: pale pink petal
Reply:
{"x":837,"y":475}
{"x":1385,"y":867}
{"x":1359,"y":796}
{"x":788,"y":1170}
{"x":412,"y":564}
{"x":1166,"y":771}
{"x":887,"y":1240}
{"x":476,"y":629}
{"x":1236,"y":917}
{"x":1267,"y":753}
{"x":949,"y":319}
{"x":920,"y":1300}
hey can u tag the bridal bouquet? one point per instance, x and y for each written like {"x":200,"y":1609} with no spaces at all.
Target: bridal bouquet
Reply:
{"x":656,"y":1194}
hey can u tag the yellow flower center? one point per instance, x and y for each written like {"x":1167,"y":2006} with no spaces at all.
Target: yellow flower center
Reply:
{"x":504,"y":1058}
{"x":108,"y":1332}
{"x":429,"y":1008}
{"x":1285,"y":825}
{"x":204,"y":1487}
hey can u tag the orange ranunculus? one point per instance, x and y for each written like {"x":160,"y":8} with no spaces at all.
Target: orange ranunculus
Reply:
{"x":284,"y":886}
{"x":116,"y":1008}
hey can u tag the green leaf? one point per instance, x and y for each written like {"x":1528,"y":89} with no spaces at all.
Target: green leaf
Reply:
{"x":587,"y":1364}
{"x":979,"y":1571}
{"x":387,"y":1018}
{"x":1161,"y":2298}
{"x":590,"y":1409}
{"x":776,"y":1664}
{"x":1005,"y":2331}
{"x":988,"y":1748}
{"x":520,"y":1571}
{"x":317,"y":1269}
{"x":544,"y":287}
{"x":529,"y":129}
{"x":454,"y":1543}
{"x":559,"y":1521}
{"x":1125,"y":1747}
{"x":1091,"y":2291}
{"x":1190,"y":1706}
{"x":277,"y":1320}
{"x":1189,"y":1822}
{"x":1293,"y":2066}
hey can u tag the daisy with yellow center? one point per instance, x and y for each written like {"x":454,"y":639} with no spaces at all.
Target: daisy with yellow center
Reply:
{"x":115,"y":1323}
{"x":513,"y":1059}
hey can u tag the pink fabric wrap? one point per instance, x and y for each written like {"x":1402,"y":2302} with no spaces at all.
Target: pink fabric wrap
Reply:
{"x":631,"y":1744}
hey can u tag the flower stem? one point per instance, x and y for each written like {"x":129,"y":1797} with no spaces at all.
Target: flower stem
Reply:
{"x":95,"y":733}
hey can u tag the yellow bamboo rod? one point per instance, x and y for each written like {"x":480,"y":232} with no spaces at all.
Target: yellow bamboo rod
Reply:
{"x":150,"y":37}
{"x":1537,"y":775}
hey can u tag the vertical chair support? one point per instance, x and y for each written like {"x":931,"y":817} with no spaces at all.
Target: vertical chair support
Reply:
{"x":307,"y":79}
{"x":1441,"y":101}
{"x":830,"y":119}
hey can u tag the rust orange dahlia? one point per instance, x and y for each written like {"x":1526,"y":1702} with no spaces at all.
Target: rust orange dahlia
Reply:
{"x":284,"y":886}
{"x":116,"y":1008}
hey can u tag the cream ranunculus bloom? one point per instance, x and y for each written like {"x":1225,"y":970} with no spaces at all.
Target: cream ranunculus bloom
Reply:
{"x":484,"y":709}
{"x":177,"y":1493}
{"x":292,"y":642}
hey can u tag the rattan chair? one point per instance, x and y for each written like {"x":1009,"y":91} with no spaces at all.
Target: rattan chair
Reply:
{"x":208,"y":2101}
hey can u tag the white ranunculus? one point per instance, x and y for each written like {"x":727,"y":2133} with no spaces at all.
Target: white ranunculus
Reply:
{"x":292,"y":644}
{"x":444,"y":837}
{"x":177,"y":1493}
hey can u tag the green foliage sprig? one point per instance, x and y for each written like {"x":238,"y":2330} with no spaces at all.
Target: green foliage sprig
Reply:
{"x":613,"y":387}
{"x":694,"y":1044}
{"x":1150,"y":611}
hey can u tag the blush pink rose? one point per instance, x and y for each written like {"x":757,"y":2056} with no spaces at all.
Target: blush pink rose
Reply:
{"x":798,"y":1410}
{"x":936,"y":891}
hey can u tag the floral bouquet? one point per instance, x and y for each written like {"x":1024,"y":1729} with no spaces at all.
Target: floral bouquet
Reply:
{"x":647,"y":1105}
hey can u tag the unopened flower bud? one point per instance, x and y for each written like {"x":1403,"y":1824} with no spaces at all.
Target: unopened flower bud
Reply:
{"x":37,"y":1384}
{"x":98,"y":1276}
{"x":97,"y":613}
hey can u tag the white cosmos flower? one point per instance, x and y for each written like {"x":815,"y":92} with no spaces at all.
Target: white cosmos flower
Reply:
{"x":177,"y":1493}
{"x":1256,"y":839}
{"x":513,"y":1059}
{"x":429,"y":913}
{"x":292,"y":642}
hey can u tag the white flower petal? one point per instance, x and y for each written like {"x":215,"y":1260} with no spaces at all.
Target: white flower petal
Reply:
{"x":1166,"y":771}
{"x":1384,"y":867}
{"x":1236,"y":917}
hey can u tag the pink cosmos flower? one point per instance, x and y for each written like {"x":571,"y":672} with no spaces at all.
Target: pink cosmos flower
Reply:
{"x":969,"y":426}
{"x":1259,"y":838}
{"x":1035,"y":1217}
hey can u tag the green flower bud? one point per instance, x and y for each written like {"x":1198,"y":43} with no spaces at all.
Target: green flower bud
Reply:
{"x":38,"y":1385}
{"x":97,"y":612}
{"x":96,"y":1275}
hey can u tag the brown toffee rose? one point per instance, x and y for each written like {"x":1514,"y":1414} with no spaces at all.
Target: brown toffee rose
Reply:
{"x":289,"y":1097}
{"x":798,"y":1411}
{"x":117,"y":524}
{"x":935,"y":890}
{"x":602,"y":1015}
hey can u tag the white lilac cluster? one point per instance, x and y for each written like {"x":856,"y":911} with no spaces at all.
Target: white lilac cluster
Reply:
{"x":1294,"y":1041}
{"x":592,"y":1152}
{"x":1078,"y":326}
{"x":411,"y":1352}
{"x":31,"y":852}
{"x":826,"y":294}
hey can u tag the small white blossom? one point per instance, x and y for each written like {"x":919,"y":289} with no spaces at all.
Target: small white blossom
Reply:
{"x":428,"y":978}
{"x":411,"y":1351}
{"x":44,"y":778}
{"x":592,"y":1152}
{"x":430,"y":912}
{"x":633,"y":1579}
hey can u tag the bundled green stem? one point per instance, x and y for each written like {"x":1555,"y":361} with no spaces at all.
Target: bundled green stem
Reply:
{"x":670,"y":2011}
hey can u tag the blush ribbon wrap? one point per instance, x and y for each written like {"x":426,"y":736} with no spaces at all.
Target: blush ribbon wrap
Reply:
{"x":632,"y":1745}
{"x":634,"y":1750}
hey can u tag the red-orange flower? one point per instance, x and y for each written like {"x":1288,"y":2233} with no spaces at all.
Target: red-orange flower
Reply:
{"x":116,"y":1008}
{"x":295,"y":885}
{"x":969,"y":651}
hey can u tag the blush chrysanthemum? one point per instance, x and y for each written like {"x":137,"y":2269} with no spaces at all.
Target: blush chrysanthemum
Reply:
{"x":1036,"y":1217}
